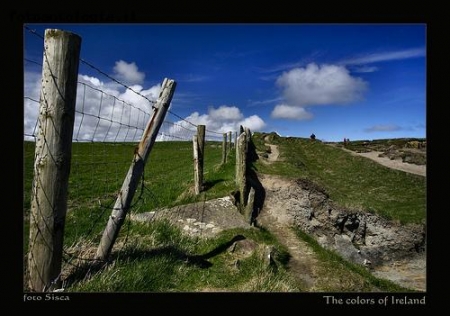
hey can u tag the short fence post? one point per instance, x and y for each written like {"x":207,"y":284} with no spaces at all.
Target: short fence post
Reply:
{"x":224,"y":148}
{"x":199,"y":149}
{"x":53,"y":158}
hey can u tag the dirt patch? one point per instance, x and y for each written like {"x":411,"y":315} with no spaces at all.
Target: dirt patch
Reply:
{"x":274,"y":153}
{"x":408,"y":273}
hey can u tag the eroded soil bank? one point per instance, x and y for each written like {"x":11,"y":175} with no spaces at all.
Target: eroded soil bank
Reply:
{"x":390,"y":250}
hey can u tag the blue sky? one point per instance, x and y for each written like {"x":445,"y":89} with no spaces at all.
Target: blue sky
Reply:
{"x":358,"y":81}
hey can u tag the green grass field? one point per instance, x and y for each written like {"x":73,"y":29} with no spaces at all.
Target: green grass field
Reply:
{"x":158,"y":257}
{"x":350,"y":181}
{"x":98,"y":170}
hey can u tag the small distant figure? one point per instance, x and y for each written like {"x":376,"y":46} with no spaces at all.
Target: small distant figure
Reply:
{"x":313,"y":137}
{"x":346,"y":141}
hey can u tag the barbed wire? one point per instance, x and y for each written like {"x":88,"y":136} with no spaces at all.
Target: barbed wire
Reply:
{"x":32,"y":61}
{"x":121,"y":124}
{"x":34,"y":32}
{"x":152,"y":102}
{"x":97,"y":106}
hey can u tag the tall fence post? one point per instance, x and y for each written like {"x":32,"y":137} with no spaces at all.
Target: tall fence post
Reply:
{"x":52,"y":158}
{"x":241,"y":169}
{"x":229,"y":142}
{"x":199,"y":149}
{"x":224,"y":148}
{"x":136,"y":170}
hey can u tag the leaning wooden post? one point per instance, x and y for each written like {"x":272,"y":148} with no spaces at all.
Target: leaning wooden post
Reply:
{"x":52,"y":158}
{"x":199,"y":149}
{"x":224,"y":148}
{"x":136,"y":170}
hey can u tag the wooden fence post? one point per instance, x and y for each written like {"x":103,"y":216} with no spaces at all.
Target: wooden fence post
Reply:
{"x":229,"y":142}
{"x":52,"y":158}
{"x":224,"y":148}
{"x":199,"y":149}
{"x":241,"y":169}
{"x":136,"y":170}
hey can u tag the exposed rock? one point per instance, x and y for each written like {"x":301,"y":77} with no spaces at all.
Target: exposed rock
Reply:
{"x":355,"y":234}
{"x":358,"y":236}
{"x":204,"y":219}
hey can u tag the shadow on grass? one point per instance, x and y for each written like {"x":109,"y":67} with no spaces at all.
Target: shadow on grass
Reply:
{"x":90,"y":268}
{"x":211,"y":183}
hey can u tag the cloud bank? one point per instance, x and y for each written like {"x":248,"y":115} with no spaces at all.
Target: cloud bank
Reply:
{"x":217,"y":121}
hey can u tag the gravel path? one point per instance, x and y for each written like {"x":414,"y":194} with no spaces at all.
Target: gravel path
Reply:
{"x":420,"y":170}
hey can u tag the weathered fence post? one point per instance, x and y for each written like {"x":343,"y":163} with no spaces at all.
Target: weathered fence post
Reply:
{"x":235,"y":139}
{"x":229,"y":142}
{"x":199,"y":149}
{"x":136,"y":170}
{"x":224,"y":148}
{"x":52,"y":158}
{"x":241,"y":169}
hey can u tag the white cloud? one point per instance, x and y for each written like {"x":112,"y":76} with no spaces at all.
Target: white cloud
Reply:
{"x":217,"y":121}
{"x":128,"y":72}
{"x":32,"y":88}
{"x":92,"y":80}
{"x":104,"y":110}
{"x":254,"y":123}
{"x":383,"y":128}
{"x":319,"y":85}
{"x":284,"y":111}
{"x":225,"y":113}
{"x":385,"y":56}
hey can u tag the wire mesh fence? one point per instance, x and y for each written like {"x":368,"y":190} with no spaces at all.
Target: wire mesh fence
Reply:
{"x":110,"y":118}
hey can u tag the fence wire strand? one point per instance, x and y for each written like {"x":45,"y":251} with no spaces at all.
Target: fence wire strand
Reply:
{"x":106,"y":131}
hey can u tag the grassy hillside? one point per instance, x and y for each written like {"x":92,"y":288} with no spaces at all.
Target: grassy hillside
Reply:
{"x":157,"y":257}
{"x":351,"y":181}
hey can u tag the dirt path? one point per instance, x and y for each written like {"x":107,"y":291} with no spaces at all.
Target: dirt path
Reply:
{"x":420,"y":170}
{"x":275,"y":218}
{"x":274,"y":153}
